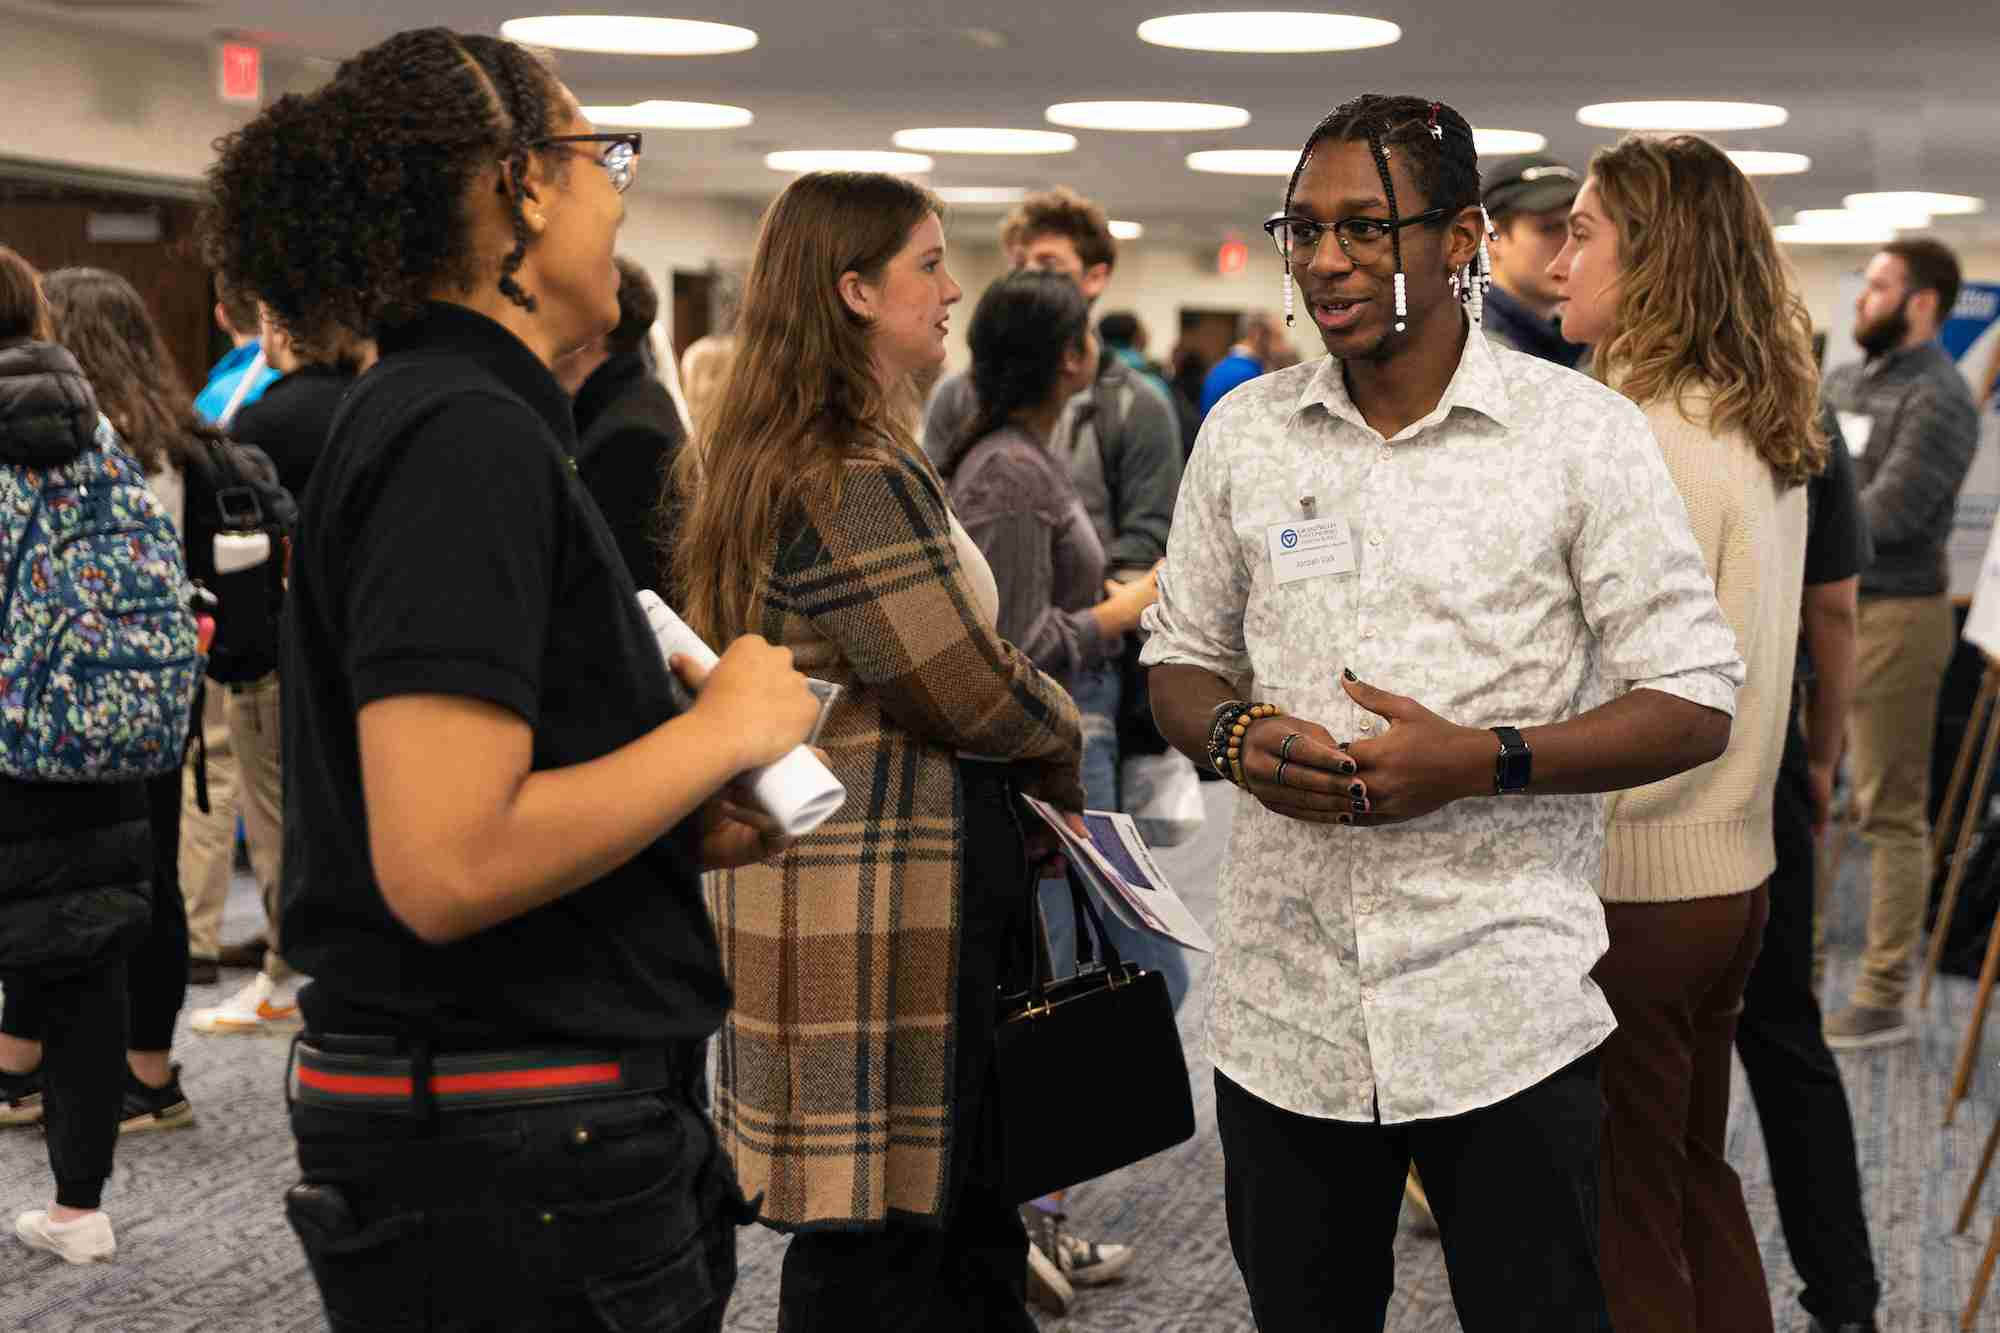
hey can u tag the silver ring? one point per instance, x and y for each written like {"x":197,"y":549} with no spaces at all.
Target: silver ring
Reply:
{"x":1285,"y":749}
{"x":1280,"y":779}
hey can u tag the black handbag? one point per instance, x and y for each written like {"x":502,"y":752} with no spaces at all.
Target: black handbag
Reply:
{"x":1103,"y":1043}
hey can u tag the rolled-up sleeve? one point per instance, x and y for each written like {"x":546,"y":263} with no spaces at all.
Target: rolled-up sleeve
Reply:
{"x":1198,"y":620}
{"x":1646,"y":593}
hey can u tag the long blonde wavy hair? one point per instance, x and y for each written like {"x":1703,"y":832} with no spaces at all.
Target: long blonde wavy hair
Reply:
{"x":802,"y":396}
{"x":1708,"y":305}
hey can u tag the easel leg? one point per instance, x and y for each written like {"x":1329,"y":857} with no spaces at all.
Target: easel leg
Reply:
{"x":1966,"y":828}
{"x":1961,"y":1077}
{"x":1978,"y":1179}
{"x":1971,"y":1316}
{"x":1981,"y":702}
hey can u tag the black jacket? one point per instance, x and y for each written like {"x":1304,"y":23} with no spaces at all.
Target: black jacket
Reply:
{"x":291,"y":420}
{"x":1507,"y":322}
{"x":47,"y":412}
{"x":73,"y":859}
{"x":628,"y":435}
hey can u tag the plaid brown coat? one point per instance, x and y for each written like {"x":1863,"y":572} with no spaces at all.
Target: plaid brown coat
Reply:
{"x":836,"y":1060}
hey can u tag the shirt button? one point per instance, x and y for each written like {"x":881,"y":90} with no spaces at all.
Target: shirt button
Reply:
{"x":1368,"y":724}
{"x":582,"y":1137}
{"x":1368,"y":633}
{"x":1384,"y":455}
{"x":1375,"y":541}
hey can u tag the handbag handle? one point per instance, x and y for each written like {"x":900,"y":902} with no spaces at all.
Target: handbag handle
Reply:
{"x":1089,"y":949}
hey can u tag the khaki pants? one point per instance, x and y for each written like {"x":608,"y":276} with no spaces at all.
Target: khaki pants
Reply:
{"x":1904,"y":645}
{"x":240,"y":726}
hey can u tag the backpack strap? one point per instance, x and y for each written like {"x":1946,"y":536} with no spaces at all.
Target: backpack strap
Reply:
{"x":1108,"y":419}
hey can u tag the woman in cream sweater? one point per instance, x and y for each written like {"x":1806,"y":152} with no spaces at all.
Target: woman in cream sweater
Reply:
{"x":1671,"y":273}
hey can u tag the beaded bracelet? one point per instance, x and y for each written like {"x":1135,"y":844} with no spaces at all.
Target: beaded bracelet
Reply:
{"x":1233,"y":721}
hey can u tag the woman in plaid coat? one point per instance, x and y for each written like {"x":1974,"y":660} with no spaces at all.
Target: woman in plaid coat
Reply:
{"x":855,"y":1065}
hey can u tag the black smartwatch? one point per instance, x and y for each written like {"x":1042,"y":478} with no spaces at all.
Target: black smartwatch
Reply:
{"x":1513,"y":766}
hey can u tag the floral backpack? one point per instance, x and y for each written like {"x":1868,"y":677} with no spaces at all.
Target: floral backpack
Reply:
{"x":98,"y":655}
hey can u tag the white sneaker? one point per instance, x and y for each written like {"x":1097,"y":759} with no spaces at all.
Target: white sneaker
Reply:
{"x":261,"y":1006}
{"x":1048,"y":1289}
{"x":84,"y":1241}
{"x":1082,"y":1263}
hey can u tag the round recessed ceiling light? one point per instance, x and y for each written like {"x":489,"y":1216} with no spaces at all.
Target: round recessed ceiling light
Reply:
{"x":1901,"y":219}
{"x":626,"y":35}
{"x":1245,"y":161}
{"x":980,"y":194}
{"x":1755,"y":162}
{"x":1938,"y":205}
{"x":1846,"y":234}
{"x":1683,"y":115}
{"x":1127,"y":231}
{"x":1499,"y":143}
{"x":840,"y":159}
{"x":658,"y":115}
{"x":1158,"y":116}
{"x":1269,"y":32}
{"x":966,"y":140}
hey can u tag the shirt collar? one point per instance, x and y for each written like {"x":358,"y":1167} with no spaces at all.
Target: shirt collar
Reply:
{"x":441,"y":326}
{"x":1901,"y":357}
{"x":1476,"y":386}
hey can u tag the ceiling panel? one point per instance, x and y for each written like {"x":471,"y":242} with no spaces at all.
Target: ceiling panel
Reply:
{"x":1881,"y":96}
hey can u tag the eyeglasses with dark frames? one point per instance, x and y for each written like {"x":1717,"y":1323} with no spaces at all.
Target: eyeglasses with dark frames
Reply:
{"x":1362,"y":239}
{"x":619,"y":158}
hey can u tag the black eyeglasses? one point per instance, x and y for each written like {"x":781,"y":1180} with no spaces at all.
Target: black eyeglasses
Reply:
{"x":620,"y":158}
{"x":1362,"y":239}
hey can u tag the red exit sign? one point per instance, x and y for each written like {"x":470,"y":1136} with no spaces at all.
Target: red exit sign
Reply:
{"x":241,"y":74}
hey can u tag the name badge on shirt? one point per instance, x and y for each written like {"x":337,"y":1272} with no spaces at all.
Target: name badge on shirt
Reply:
{"x":1310,"y":549}
{"x":1855,"y":428}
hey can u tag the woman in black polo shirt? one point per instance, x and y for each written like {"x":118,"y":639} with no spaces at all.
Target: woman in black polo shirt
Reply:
{"x":494,"y":816}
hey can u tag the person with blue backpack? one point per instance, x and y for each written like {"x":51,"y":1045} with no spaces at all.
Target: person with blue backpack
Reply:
{"x":98,"y":662}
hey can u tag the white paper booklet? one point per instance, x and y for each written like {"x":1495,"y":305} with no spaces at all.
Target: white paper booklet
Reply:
{"x":1120,"y":869}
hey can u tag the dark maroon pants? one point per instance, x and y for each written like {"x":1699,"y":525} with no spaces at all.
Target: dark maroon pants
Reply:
{"x":1677,"y":1248}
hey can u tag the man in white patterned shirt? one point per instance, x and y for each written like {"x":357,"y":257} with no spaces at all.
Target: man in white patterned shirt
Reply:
{"x":1403,"y":953}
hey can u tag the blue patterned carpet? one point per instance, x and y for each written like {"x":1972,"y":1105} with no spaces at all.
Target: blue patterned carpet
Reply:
{"x":203,"y":1243}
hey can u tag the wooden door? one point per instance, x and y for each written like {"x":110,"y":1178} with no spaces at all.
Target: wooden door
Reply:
{"x":52,"y":233}
{"x":694,"y":304}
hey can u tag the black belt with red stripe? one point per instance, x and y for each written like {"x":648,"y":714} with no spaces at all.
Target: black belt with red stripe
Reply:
{"x":416,"y":1083}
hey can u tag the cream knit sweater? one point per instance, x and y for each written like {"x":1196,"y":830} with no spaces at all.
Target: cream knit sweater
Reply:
{"x":1706,"y":833}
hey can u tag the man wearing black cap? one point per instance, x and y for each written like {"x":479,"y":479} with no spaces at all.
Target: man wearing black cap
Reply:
{"x":1527,"y":201}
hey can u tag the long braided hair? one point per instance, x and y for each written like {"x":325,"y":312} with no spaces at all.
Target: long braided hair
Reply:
{"x":1439,"y":144}
{"x":340,"y":208}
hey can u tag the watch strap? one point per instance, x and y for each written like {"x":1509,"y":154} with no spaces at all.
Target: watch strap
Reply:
{"x":1514,"y":765}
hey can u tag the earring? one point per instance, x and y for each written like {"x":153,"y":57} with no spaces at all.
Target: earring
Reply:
{"x":1288,"y":295}
{"x":1402,"y":303}
{"x":1479,"y":281}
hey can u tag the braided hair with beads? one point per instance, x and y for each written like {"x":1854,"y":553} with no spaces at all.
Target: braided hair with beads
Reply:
{"x":341,"y":208}
{"x":1437,"y":142}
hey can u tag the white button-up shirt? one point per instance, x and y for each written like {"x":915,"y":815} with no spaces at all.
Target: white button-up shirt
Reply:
{"x":1520,"y":556}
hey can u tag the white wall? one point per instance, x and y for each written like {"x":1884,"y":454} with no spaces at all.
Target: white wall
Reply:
{"x":664,"y":233}
{"x":1820,"y":269}
{"x":111,"y":102}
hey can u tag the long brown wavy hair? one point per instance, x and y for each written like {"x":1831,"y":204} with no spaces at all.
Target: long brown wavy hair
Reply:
{"x":802,"y":396}
{"x":1708,"y":304}
{"x":104,"y":322}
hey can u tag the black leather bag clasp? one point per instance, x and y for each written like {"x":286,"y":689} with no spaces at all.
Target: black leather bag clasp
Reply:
{"x":1103,"y":1047}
